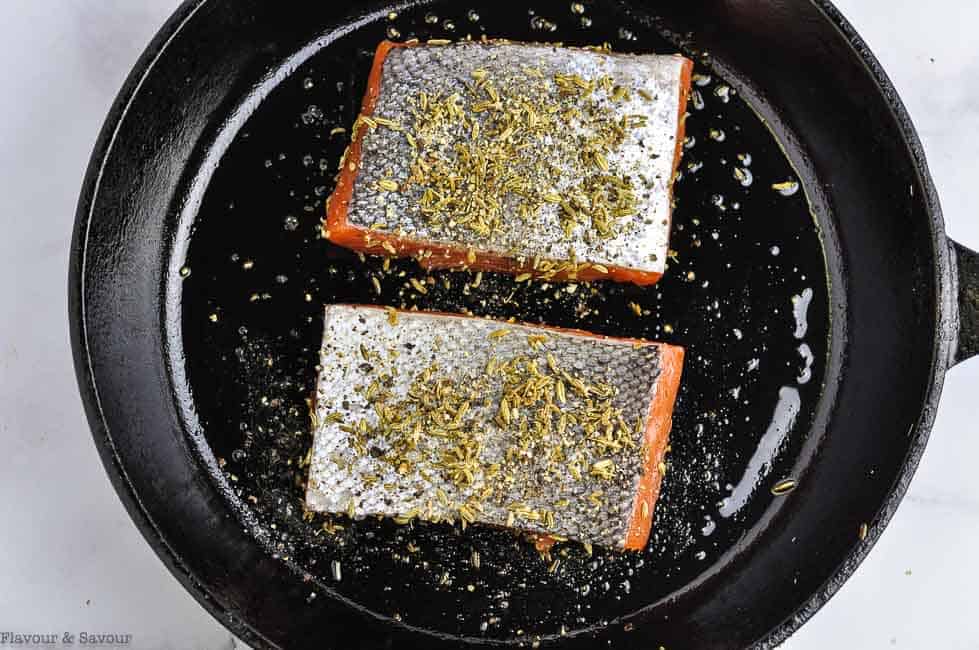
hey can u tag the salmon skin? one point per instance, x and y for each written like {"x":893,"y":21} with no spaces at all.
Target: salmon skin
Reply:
{"x":531,"y":159}
{"x":449,"y":418}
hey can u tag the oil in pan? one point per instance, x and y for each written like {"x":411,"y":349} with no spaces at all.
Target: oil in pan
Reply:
{"x":745,"y":293}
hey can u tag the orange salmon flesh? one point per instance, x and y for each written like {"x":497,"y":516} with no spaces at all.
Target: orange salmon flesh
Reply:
{"x":410,"y":423}
{"x":474,"y":253}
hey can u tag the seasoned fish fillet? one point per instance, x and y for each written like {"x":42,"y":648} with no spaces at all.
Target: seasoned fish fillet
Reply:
{"x":442,"y":417}
{"x":538,"y":160}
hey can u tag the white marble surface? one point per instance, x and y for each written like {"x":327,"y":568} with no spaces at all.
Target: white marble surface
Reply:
{"x":71,"y":560}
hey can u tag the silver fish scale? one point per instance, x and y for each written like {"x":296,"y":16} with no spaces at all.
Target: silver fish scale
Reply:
{"x":462,"y":348}
{"x":646,"y":156}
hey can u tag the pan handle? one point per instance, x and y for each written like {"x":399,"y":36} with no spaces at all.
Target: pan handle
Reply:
{"x":968,"y":283}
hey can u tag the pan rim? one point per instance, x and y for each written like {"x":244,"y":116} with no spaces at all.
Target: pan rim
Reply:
{"x":78,"y":329}
{"x":941,"y":348}
{"x":942,"y":345}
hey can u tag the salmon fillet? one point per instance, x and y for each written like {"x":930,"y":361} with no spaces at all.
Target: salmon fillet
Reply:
{"x":449,"y":418}
{"x":536,"y":160}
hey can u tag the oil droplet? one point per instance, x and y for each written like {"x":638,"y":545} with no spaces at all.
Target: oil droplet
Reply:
{"x":701,"y":555}
{"x":473,"y":16}
{"x":393,"y":32}
{"x":807,"y":359}
{"x":393,"y":15}
{"x":717,"y":135}
{"x":723,"y":92}
{"x":800,"y":309}
{"x":449,"y":26}
{"x":185,"y":271}
{"x":308,"y":83}
{"x":626,"y":34}
{"x":744,"y":176}
{"x":774,"y":250}
{"x":760,"y":463}
{"x":431,"y":19}
{"x":786,"y":188}
{"x":745,"y":159}
{"x":689,"y":142}
{"x":701,"y":80}
{"x":709,"y":527}
{"x":312,"y":115}
{"x":308,"y":160}
{"x":586,"y":22}
{"x":577,"y":8}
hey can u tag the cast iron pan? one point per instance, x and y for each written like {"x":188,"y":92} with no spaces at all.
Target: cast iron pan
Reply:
{"x":819,"y":325}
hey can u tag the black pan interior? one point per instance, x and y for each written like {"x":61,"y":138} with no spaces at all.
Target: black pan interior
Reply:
{"x":746,"y":293}
{"x":179,"y":183}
